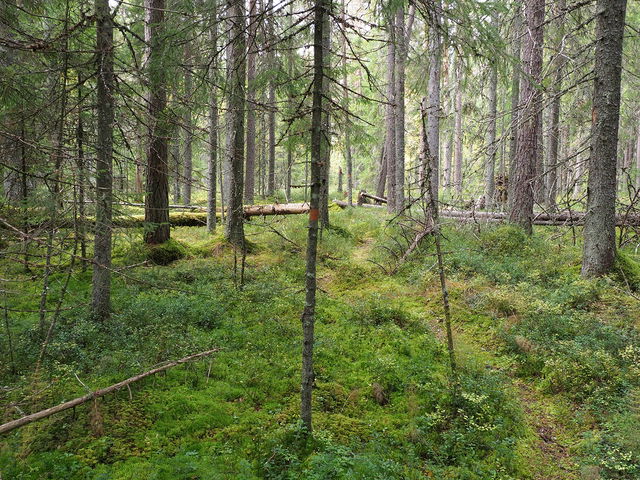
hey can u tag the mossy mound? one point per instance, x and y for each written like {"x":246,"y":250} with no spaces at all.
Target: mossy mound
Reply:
{"x":166,"y":253}
{"x":158,"y":254}
{"x":627,"y":270}
{"x":505,"y":239}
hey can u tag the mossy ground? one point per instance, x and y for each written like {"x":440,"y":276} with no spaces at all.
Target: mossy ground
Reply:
{"x":548,"y":383}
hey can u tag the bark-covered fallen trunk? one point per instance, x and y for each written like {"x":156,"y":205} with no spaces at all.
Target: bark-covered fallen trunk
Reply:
{"x":199,"y":218}
{"x":12,"y":425}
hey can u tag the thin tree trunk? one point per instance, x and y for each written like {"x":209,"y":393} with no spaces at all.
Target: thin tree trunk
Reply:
{"x":448,"y":154}
{"x":249,"y":184}
{"x":236,"y":90}
{"x":82,"y":180}
{"x":326,"y":119}
{"x":175,"y":157}
{"x":522,"y":181}
{"x":157,"y":195}
{"x":271,"y":186}
{"x":188,"y":124}
{"x":433,"y":102}
{"x":490,"y":163}
{"x":515,"y":83}
{"x":600,"y":222}
{"x":457,"y":174}
{"x":212,"y":161}
{"x":382,"y":172}
{"x":390,"y":122}
{"x":401,"y":47}
{"x":554,"y":130}
{"x":318,"y":143}
{"x":347,"y":122}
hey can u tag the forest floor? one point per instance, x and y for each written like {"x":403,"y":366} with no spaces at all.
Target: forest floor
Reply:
{"x":549,"y":363}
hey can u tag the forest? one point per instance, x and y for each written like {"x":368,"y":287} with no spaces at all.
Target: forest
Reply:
{"x":320,"y":239}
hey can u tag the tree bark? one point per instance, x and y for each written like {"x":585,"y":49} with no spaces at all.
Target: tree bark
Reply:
{"x":523,"y":176}
{"x":252,"y":48}
{"x":401,"y":47}
{"x":188,"y":123}
{"x":347,"y":120}
{"x":554,"y":129}
{"x":433,"y":102}
{"x":515,"y":83}
{"x":457,"y":175}
{"x":490,"y":162}
{"x":101,"y":280}
{"x":326,"y":119}
{"x":212,"y":161}
{"x":234,"y":231}
{"x":382,"y":172}
{"x":271,"y":185}
{"x":390,"y":122}
{"x":600,"y":224}
{"x":157,"y":195}
{"x":318,"y":143}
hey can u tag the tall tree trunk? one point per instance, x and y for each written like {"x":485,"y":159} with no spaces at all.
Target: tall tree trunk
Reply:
{"x":271,"y":186}
{"x":291,"y":106}
{"x":212,"y":160}
{"x":101,"y":295}
{"x":457,"y":174}
{"x":554,"y":128}
{"x":539,"y":193}
{"x":188,"y":124}
{"x":390,"y":117}
{"x":347,"y":121}
{"x":236,"y":91}
{"x":157,"y":195}
{"x":600,"y":221}
{"x":401,"y":48}
{"x":515,"y":83}
{"x":82,"y":179}
{"x":382,"y":172}
{"x":326,"y":119}
{"x":175,"y":159}
{"x":318,"y":143}
{"x":490,"y":162}
{"x":522,"y":179}
{"x":433,"y":102}
{"x":448,"y":156}
{"x":252,"y":48}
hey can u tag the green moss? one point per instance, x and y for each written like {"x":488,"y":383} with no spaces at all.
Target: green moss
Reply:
{"x":627,"y":270}
{"x":504,"y":240}
{"x":166,"y":253}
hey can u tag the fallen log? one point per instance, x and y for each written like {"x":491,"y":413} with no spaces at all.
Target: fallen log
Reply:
{"x":375,"y":198}
{"x":12,"y":425}
{"x":199,"y":218}
{"x":275,"y":209}
{"x":193,"y":208}
{"x":343,"y":204}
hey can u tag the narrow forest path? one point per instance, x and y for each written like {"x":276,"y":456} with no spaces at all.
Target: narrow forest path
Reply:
{"x":547,"y":447}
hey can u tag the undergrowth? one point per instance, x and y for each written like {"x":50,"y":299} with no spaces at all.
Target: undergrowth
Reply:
{"x":382,"y":398}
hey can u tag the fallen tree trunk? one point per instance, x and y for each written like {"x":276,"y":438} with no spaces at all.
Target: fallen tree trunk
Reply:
{"x":555,"y":219}
{"x":7,"y":427}
{"x":275,"y":209}
{"x":199,"y":218}
{"x":344,"y":204}
{"x":362,"y":195}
